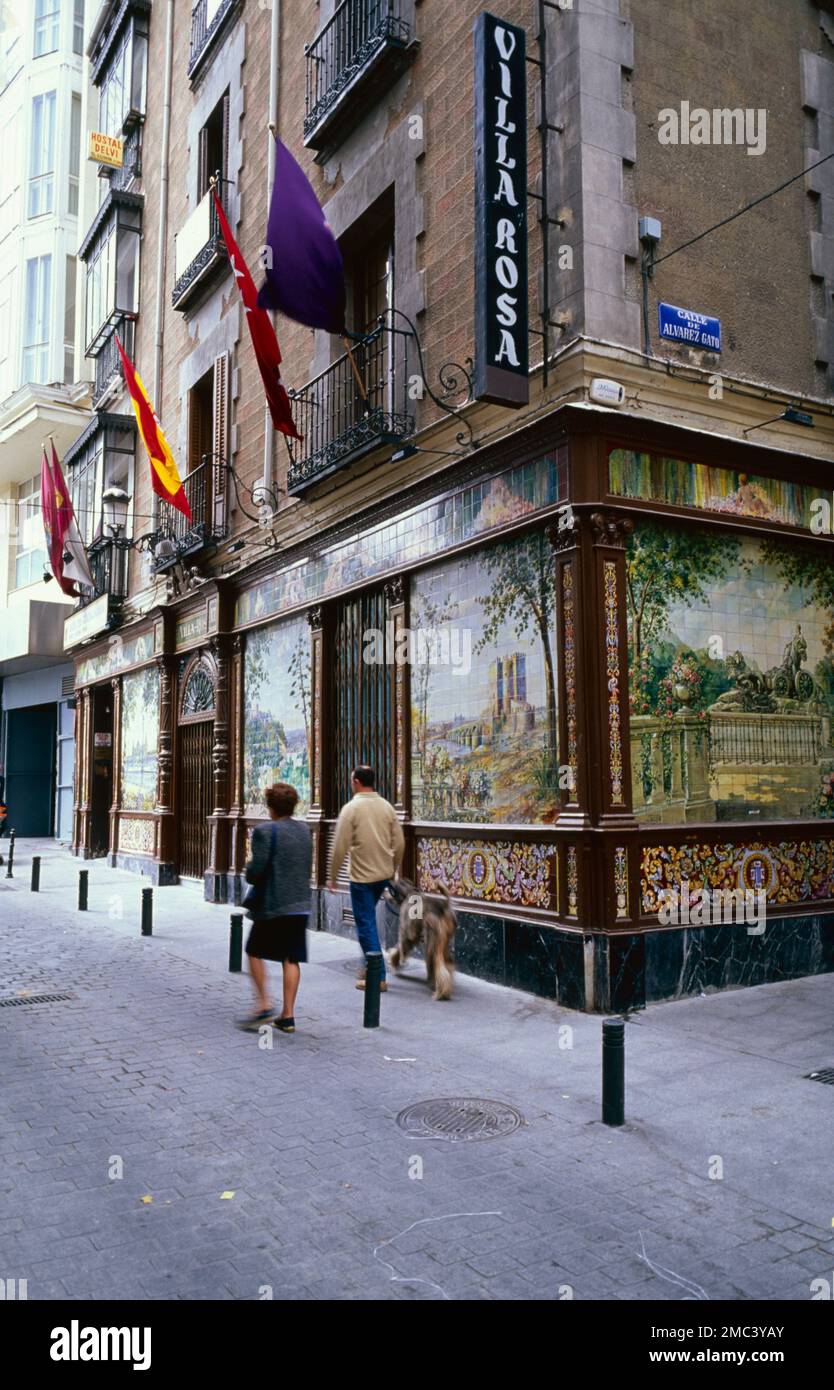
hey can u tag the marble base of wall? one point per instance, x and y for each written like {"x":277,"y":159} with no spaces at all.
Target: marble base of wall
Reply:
{"x":634,"y":970}
{"x":160,"y":874}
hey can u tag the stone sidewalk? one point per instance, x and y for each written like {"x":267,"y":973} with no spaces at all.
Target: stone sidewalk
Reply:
{"x":248,"y":1170}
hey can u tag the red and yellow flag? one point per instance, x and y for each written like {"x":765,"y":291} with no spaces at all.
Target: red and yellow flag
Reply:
{"x":165,"y":478}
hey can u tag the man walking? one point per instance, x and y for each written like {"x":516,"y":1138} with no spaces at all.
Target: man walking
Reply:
{"x":369,"y":831}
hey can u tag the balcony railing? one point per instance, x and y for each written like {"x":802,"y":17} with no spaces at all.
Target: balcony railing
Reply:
{"x":108,"y":362}
{"x":204,"y":491}
{"x":364,"y":47}
{"x":198,"y":248}
{"x":207,"y":19}
{"x":131,"y":160}
{"x":340,"y":420}
{"x":108,"y":560}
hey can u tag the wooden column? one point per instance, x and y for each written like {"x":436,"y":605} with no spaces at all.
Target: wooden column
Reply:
{"x":315,"y":815}
{"x":116,"y":752}
{"x":237,"y":732}
{"x":83,"y":765}
{"x":219,"y":824}
{"x":166,"y":831}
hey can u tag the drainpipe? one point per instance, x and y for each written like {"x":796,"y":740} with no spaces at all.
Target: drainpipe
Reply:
{"x":274,"y":87}
{"x":159,"y":331}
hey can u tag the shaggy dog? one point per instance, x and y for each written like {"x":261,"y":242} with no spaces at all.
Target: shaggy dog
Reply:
{"x":430,"y":920}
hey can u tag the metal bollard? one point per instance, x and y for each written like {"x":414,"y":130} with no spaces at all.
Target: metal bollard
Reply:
{"x":147,"y":912}
{"x":236,"y":943}
{"x":83,"y":885}
{"x":613,"y":1071}
{"x":9,"y":873}
{"x":373,"y":979}
{"x":36,"y":873}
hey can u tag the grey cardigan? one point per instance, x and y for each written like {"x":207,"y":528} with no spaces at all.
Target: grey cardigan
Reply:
{"x":286,"y":889}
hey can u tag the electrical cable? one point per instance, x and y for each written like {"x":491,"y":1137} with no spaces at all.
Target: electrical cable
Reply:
{"x":741,"y":211}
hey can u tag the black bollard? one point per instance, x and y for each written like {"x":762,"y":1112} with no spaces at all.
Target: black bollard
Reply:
{"x":373,"y":979}
{"x":83,"y":876}
{"x":236,"y":943}
{"x":147,"y":912}
{"x":613,"y":1071}
{"x":36,"y":873}
{"x":9,"y":873}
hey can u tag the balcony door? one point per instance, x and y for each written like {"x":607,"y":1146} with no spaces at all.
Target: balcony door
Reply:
{"x":205,"y":480}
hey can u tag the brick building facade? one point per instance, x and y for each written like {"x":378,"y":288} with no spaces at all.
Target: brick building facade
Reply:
{"x":640,"y":568}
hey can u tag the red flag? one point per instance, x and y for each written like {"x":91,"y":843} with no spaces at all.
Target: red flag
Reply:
{"x":52,"y":528}
{"x":76,"y":566}
{"x":261,"y":331}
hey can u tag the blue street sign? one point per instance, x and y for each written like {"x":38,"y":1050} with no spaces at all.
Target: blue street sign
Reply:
{"x":685,"y":326}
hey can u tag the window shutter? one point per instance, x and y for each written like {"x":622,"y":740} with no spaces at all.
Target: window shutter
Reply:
{"x":202,"y":162}
{"x":224,"y":166}
{"x":220,"y":440}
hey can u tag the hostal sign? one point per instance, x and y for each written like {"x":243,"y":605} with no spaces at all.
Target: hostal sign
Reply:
{"x":501,"y":344}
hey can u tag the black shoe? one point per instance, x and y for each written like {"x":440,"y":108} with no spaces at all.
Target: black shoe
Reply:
{"x":284,"y":1025}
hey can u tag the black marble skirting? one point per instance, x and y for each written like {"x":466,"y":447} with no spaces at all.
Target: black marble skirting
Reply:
{"x":161,"y":875}
{"x":602,"y":973}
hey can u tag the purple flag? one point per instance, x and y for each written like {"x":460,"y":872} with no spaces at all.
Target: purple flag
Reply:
{"x":307,"y":279}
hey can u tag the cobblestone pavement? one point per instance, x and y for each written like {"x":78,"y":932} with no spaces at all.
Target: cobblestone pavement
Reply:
{"x":143,"y":1065}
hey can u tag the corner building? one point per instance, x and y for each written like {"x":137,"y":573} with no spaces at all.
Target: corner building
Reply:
{"x":627,"y":679}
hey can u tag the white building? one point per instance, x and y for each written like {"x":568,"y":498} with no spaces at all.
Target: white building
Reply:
{"x":42,"y":81}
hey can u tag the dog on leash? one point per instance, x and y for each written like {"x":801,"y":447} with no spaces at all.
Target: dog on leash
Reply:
{"x":428,"y":919}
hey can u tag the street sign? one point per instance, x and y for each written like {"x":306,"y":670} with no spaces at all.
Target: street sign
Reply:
{"x":106,"y":149}
{"x":685,"y":326}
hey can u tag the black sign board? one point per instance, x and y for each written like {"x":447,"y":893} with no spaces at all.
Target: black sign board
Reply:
{"x":501,"y":341}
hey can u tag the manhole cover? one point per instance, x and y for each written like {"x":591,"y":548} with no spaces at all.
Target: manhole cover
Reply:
{"x":34,"y":999}
{"x":459,"y":1118}
{"x":826,"y":1076}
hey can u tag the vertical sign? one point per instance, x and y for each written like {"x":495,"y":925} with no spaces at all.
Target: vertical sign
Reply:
{"x":501,"y":341}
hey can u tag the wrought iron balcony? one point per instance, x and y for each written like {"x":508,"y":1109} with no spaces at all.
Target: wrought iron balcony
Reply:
{"x":352,"y":407}
{"x":131,"y":160}
{"x":204,"y":488}
{"x":109,"y":364}
{"x":359,"y":52}
{"x":198,"y":249}
{"x":208,"y":18}
{"x":108,"y":560}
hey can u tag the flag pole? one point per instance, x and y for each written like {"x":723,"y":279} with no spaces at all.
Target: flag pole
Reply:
{"x":359,"y":382}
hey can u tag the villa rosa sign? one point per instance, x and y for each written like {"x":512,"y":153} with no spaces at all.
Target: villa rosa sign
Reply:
{"x":501,"y":341}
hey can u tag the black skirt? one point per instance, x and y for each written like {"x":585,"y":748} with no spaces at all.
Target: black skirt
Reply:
{"x":279,"y":938}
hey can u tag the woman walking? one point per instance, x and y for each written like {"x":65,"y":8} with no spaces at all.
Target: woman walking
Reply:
{"x":279,"y":905}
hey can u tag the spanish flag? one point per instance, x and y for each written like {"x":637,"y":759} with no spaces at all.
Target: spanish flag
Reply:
{"x":165,"y":479}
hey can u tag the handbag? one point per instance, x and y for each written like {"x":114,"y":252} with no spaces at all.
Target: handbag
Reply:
{"x":252,"y":897}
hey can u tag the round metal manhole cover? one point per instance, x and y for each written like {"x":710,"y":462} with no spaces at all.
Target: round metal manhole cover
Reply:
{"x":459,"y":1118}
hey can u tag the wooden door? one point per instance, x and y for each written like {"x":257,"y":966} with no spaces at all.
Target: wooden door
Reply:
{"x":195,"y":796}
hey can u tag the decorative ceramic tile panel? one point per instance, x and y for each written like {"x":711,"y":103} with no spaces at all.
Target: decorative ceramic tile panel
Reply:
{"x":140,"y":736}
{"x":277,"y":676}
{"x":612,"y":675}
{"x":792,"y":871}
{"x":731,"y":674}
{"x":502,"y":871}
{"x":420,"y":532}
{"x":682,"y":484}
{"x":621,"y":880}
{"x":136,"y":836}
{"x":483,"y":686}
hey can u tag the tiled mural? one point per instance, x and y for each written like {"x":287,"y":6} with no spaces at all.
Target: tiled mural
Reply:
{"x":498,"y":871}
{"x":731,"y":642}
{"x":483,"y":719}
{"x":140,"y":732}
{"x":277,"y":712}
{"x":788,"y":872}
{"x":683,"y":484}
{"x":427,"y":529}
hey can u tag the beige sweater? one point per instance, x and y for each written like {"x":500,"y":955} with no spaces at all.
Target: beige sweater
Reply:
{"x":369,"y":831}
